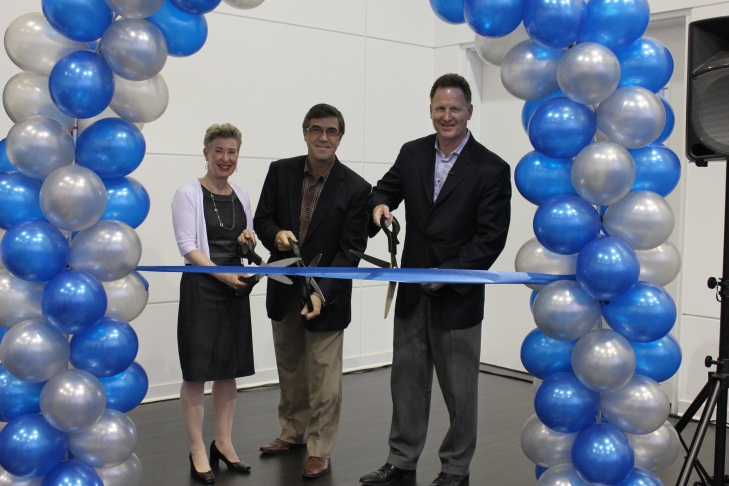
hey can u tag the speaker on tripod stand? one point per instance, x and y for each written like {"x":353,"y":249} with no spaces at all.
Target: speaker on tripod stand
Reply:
{"x":707,"y":138}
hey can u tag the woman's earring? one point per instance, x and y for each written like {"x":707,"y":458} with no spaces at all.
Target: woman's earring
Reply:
{"x":206,"y":166}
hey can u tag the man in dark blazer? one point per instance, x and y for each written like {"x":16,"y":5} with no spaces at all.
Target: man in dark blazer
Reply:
{"x":319,"y":203}
{"x":457,"y":209}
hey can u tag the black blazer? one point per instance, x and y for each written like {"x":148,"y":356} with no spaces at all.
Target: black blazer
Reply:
{"x":465,"y":228}
{"x":339,"y":223}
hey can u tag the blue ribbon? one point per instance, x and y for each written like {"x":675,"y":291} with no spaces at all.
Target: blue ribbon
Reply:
{"x":409,"y":275}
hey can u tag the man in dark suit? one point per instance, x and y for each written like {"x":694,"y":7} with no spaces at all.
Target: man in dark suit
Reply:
{"x":457,"y":208}
{"x":318,"y":203}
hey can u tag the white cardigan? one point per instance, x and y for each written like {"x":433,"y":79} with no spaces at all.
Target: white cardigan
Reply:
{"x":188,"y":219}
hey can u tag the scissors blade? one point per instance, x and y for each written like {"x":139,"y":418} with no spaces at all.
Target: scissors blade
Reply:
{"x":390,"y":294}
{"x":370,"y":259}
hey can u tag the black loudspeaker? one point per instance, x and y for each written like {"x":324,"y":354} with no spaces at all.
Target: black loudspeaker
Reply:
{"x":707,"y":100}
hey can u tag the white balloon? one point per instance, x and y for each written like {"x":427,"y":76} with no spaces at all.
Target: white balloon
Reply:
{"x":494,"y":49}
{"x":34,"y":352}
{"x":603,"y":173}
{"x":529,"y":70}
{"x":563,"y":310}
{"x":603,"y":360}
{"x":126,"y":297}
{"x":657,"y":450}
{"x":588,"y":73}
{"x":659,"y":265}
{"x":640,"y":407}
{"x":107,"y":443}
{"x":108,"y":250}
{"x":632,"y":116}
{"x":643,"y":219}
{"x":34,"y":46}
{"x":533,"y":257}
{"x":73,"y":400}
{"x":545,"y":446}
{"x":19,"y":299}
{"x":243,"y":4}
{"x":135,"y":49}
{"x":26,"y":95}
{"x":73,"y":198}
{"x":128,"y":473}
{"x":140,"y":101}
{"x":84,"y":123}
{"x":135,"y":9}
{"x":7,"y":479}
{"x":39,"y":145}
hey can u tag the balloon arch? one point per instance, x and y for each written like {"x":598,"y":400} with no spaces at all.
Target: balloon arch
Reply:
{"x":598,"y":174}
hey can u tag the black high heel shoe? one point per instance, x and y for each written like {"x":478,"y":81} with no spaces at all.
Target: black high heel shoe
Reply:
{"x":216,"y":456}
{"x":203,"y":477}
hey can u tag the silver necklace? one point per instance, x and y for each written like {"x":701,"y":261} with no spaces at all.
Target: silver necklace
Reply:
{"x":215,"y":207}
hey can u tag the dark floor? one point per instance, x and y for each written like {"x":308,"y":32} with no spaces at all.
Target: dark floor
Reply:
{"x":506,"y":403}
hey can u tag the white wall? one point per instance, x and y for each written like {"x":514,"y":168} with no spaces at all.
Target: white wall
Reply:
{"x":261,"y":69}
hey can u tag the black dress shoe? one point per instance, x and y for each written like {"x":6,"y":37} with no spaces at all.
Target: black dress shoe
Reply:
{"x":388,"y":474}
{"x":446,"y":479}
{"x":216,"y":456}
{"x":202,"y":477}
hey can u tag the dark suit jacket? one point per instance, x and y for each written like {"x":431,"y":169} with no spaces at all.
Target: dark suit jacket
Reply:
{"x":339,"y":223}
{"x":465,"y":228}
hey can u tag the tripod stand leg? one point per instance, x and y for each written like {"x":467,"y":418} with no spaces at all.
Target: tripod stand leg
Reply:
{"x":690,"y":412}
{"x":720,"y":440}
{"x":716,"y":389}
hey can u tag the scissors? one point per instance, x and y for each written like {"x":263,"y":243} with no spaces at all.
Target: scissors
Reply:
{"x":392,"y":243}
{"x":256,"y":259}
{"x":310,"y":286}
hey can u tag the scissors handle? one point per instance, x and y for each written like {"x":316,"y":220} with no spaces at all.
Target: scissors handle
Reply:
{"x":391,"y":234}
{"x":251,"y":254}
{"x":306,"y":289}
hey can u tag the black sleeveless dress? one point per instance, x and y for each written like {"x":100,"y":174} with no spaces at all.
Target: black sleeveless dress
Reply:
{"x":214,"y":338}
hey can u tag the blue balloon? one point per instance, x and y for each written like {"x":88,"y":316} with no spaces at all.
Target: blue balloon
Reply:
{"x":17,"y":397}
{"x":35,"y":251}
{"x":641,"y":477}
{"x":670,"y":122}
{"x":563,"y":224}
{"x":30,"y":446}
{"x":658,"y":360}
{"x":105,"y":350}
{"x":73,"y":301}
{"x":198,"y":7}
{"x":127,"y":389}
{"x":564,"y":404}
{"x":543,"y":356}
{"x":81,"y":84}
{"x":646,"y":63}
{"x":615,"y":23}
{"x":531,"y":105}
{"x":602,"y":454}
{"x":538,"y":177}
{"x":79,"y":20}
{"x":19,"y":199}
{"x":111,"y":147}
{"x":559,"y":128}
{"x":554,"y":24}
{"x":450,"y":11}
{"x":644,"y":313}
{"x":126,"y":201}
{"x":5,"y":164}
{"x":657,"y":169}
{"x":72,"y":473}
{"x":539,"y":470}
{"x":607,"y":267}
{"x":493,"y":18}
{"x":184,"y":32}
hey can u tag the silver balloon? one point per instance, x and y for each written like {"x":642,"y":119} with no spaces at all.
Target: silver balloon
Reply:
{"x":34,"y":352}
{"x":603,"y":173}
{"x":588,"y":73}
{"x":19,"y":299}
{"x":243,"y":4}
{"x":563,"y":310}
{"x":7,"y":479}
{"x":561,"y":475}
{"x":603,"y":360}
{"x":107,"y":443}
{"x":529,"y":70}
{"x":640,"y":407}
{"x":643,"y":219}
{"x":533,"y":257}
{"x":135,"y":9}
{"x":128,"y":473}
{"x":84,"y":123}
{"x":2,"y":266}
{"x":493,"y":49}
{"x":140,"y":101}
{"x":39,"y":145}
{"x":659,"y":265}
{"x":73,"y":400}
{"x":632,"y":116}
{"x":34,"y":46}
{"x":545,"y":446}
{"x":135,"y":49}
{"x":126,"y":297}
{"x":657,"y":450}
{"x":108,"y":250}
{"x":27,"y":95}
{"x":73,"y":198}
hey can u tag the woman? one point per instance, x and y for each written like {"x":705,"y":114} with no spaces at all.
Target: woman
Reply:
{"x":212,"y":219}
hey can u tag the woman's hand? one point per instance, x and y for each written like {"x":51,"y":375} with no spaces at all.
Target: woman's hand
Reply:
{"x":246,"y":238}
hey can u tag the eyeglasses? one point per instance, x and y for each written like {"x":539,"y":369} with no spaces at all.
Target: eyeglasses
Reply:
{"x":316,"y":131}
